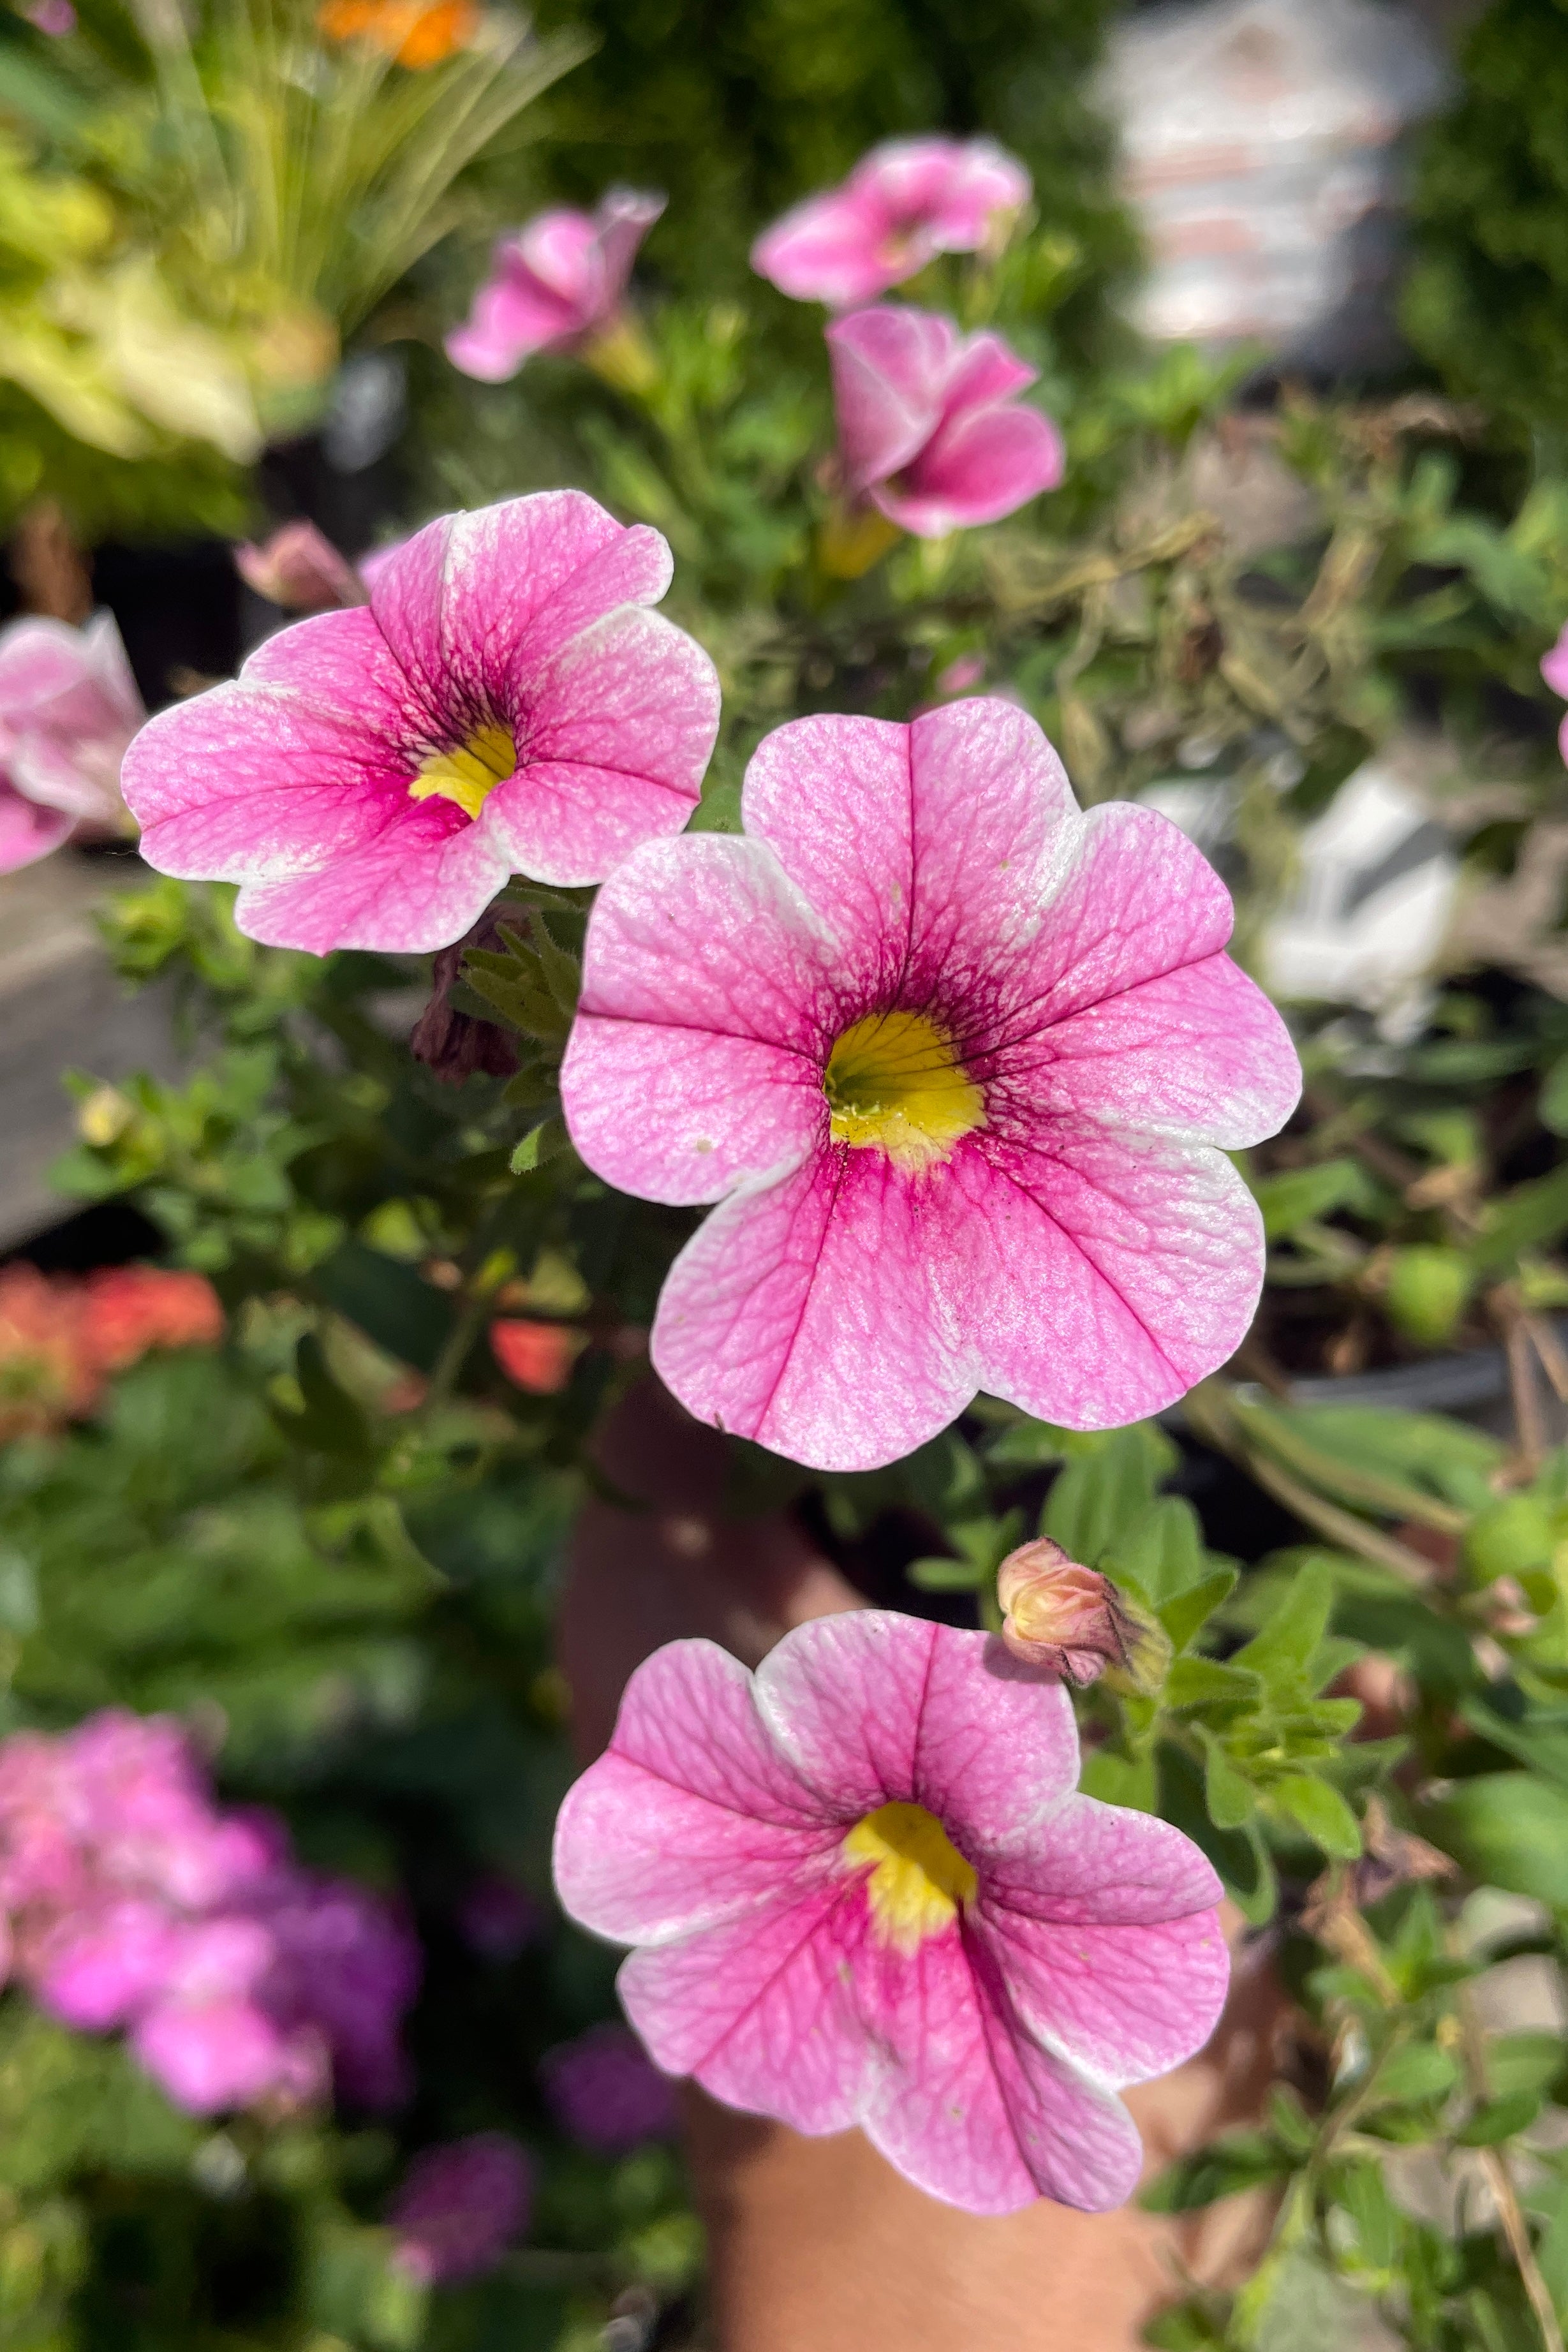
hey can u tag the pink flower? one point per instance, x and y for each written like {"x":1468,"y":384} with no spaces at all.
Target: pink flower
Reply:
{"x":863,"y":1890}
{"x":903,"y":204}
{"x":929,"y":427}
{"x":461,"y":2206}
{"x":504,"y":702}
{"x":68,"y":707}
{"x":603,"y":2091}
{"x":559,"y":280}
{"x":300,"y":569}
{"x":961,"y":1067}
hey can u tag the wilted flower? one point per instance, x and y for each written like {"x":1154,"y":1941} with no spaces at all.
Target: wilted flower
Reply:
{"x":559,"y":281}
{"x":300,"y":569}
{"x":605,"y":2091}
{"x":460,"y":2207}
{"x":1072,"y":1620}
{"x":506,"y":701}
{"x":863,"y":1890}
{"x":534,"y":1356}
{"x":130,"y":1900}
{"x":930,"y":429}
{"x":68,"y":707}
{"x":903,"y":204}
{"x":961,"y":1067}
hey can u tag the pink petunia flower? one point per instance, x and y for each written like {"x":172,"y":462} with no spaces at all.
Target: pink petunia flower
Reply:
{"x":1554,"y":671}
{"x":460,"y":2207}
{"x":902,"y":205}
{"x":505,"y":701}
{"x":68,"y":707}
{"x":559,"y":281}
{"x":863,"y":1890}
{"x":961,"y":1067}
{"x":930,"y":429}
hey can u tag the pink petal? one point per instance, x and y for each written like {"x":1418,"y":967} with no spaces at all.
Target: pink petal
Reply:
{"x":889,"y":369}
{"x":26,"y":831}
{"x":979,"y":2114}
{"x":1554,"y":665}
{"x":250,"y":782}
{"x":985,"y":370}
{"x":1099,"y":1865}
{"x":829,"y":249}
{"x":702,"y":967}
{"x":512,"y":317}
{"x":873,"y":1707}
{"x":624,"y":717}
{"x":1198,"y":1053}
{"x":1126,"y":2003}
{"x":761,"y":2010}
{"x":805,"y":1314}
{"x":986,"y":464}
{"x":420,"y":883}
{"x":693,"y":1813}
{"x":1099,"y":1276}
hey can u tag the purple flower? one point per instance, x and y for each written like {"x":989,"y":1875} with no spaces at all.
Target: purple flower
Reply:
{"x":461,"y":2206}
{"x":605,"y":2091}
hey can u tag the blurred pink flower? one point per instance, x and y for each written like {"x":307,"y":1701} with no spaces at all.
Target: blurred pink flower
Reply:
{"x":930,"y":429}
{"x":505,"y":701}
{"x":559,"y":280}
{"x":863,"y":1890}
{"x":962,"y":1068}
{"x":300,"y":569}
{"x":902,"y":205}
{"x":68,"y":707}
{"x":130,"y":1900}
{"x":605,"y":2091}
{"x":1554,"y":671}
{"x":55,"y":18}
{"x":460,"y":2207}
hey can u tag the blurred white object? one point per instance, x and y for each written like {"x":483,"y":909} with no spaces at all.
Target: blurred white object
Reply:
{"x":1372,"y":905}
{"x":1259,"y":143}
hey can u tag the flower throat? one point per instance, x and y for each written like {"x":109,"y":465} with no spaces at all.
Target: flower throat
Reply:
{"x":895,"y":1080}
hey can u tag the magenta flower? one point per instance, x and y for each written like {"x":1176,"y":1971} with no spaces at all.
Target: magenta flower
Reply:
{"x":929,"y":427}
{"x":68,"y":707}
{"x":461,"y":2208}
{"x":505,"y":701}
{"x":961,"y":1067}
{"x":863,"y":1890}
{"x":300,"y":569}
{"x":560,"y":280}
{"x":1554,"y":671}
{"x":603,"y":2091}
{"x":902,"y":205}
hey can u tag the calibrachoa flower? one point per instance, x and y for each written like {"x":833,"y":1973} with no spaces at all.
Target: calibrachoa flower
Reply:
{"x":961,"y":1067}
{"x":1554,"y":671}
{"x":505,"y":701}
{"x":128,"y":1900}
{"x":558,"y":281}
{"x":68,"y":707}
{"x":930,"y":429}
{"x":603,"y":2091}
{"x":301,"y":570}
{"x":461,"y":2208}
{"x":903,"y":204}
{"x":863,"y":1890}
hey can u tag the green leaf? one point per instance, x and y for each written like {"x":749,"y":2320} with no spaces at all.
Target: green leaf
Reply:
{"x":1099,"y":1498}
{"x":1240,"y":2160}
{"x":1208,"y":1682}
{"x":1121,"y":1781}
{"x":1316,"y":1807}
{"x":1162,"y":1551}
{"x":542,"y":1143}
{"x":1239,"y":1856}
{"x":937,"y":1575}
{"x":1528,"y":1218}
{"x":1282,"y":1651}
{"x":1499,"y":2119}
{"x":1229,"y":1795}
{"x":1552,"y":1104}
{"x":1507,"y":1830}
{"x":1302,"y":1195}
{"x":1379,"y":2225}
{"x":1413,"y":2074}
{"x":1187,"y":1615}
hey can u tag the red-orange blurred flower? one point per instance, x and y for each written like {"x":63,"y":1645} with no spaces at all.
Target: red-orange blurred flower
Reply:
{"x":47,"y":1375}
{"x":127,"y":1310}
{"x":534,"y":1356}
{"x":416,"y":33}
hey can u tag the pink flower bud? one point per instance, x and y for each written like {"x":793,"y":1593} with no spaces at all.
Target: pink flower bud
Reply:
{"x":1073,"y":1621}
{"x":300,"y":569}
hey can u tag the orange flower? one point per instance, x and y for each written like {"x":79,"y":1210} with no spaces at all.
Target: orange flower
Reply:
{"x":414,"y":33}
{"x":534,"y":1356}
{"x":47,"y":1376}
{"x":127,"y":1310}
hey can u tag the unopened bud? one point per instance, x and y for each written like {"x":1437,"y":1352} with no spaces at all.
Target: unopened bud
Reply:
{"x":1072,"y":1622}
{"x":301,"y":570}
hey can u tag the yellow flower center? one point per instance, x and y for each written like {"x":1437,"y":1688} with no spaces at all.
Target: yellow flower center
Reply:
{"x":894,"y":1080}
{"x":918,"y":1879}
{"x":469,"y":775}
